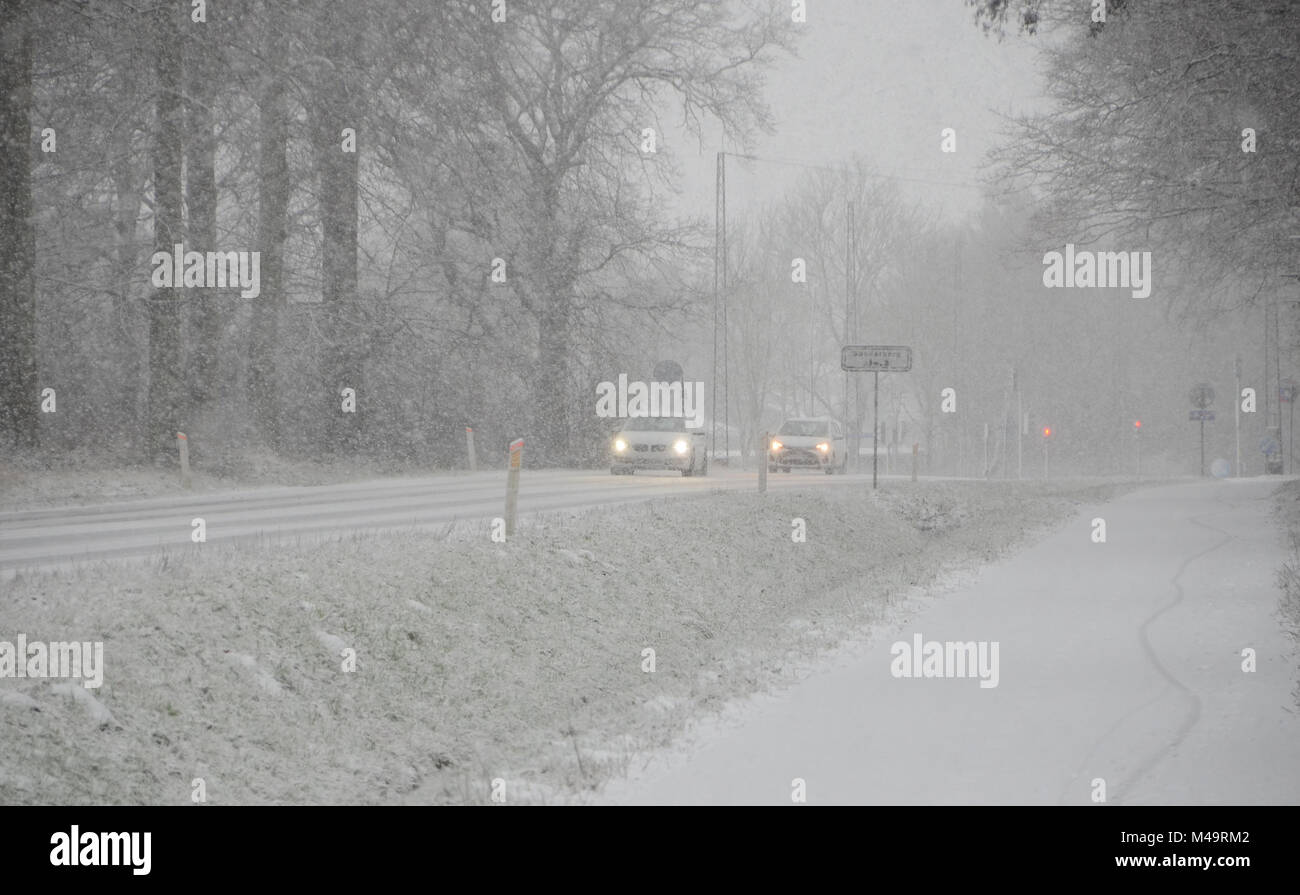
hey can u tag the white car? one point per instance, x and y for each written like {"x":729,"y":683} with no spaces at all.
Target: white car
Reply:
{"x":816,"y":443}
{"x":659,"y":442}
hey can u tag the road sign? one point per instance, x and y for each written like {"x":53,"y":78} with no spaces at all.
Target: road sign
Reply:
{"x":1286,"y":392}
{"x":875,"y":358}
{"x":1201,"y":395}
{"x":1201,"y":415}
{"x":1269,"y":445}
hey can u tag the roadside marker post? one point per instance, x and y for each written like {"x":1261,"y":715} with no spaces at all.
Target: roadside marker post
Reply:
{"x":915,"y":447}
{"x":469,"y":446}
{"x":184,"y":443}
{"x":765,"y":449}
{"x":512,"y":484}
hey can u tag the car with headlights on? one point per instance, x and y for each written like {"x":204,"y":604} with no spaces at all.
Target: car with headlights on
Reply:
{"x":812,"y":443}
{"x":659,"y":442}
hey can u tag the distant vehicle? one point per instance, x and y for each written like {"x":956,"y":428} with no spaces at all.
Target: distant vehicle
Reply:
{"x":659,"y":442}
{"x":816,"y":443}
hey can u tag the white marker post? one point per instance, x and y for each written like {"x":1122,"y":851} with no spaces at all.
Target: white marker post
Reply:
{"x":512,"y":484}
{"x":765,"y":447}
{"x":184,"y":444}
{"x":916,"y":446}
{"x":469,"y":446}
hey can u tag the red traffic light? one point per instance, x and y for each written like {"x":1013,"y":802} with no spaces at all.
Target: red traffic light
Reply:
{"x":1137,"y":424}
{"x":1047,"y":431}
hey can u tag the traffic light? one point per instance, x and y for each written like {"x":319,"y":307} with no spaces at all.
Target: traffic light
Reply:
{"x":1047,"y":431}
{"x":1137,"y":424}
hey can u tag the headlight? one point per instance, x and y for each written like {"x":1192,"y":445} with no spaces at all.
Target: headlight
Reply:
{"x":823,"y":447}
{"x":681,"y":446}
{"x":619,"y":445}
{"x":776,"y":445}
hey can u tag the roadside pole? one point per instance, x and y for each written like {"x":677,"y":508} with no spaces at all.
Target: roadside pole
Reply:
{"x":184,"y":443}
{"x":1201,"y":397}
{"x":915,"y":447}
{"x":1020,"y":434}
{"x":512,"y":484}
{"x":765,"y":452}
{"x":469,"y":446}
{"x":986,"y":450}
{"x":875,"y":438}
{"x":1236,"y":402}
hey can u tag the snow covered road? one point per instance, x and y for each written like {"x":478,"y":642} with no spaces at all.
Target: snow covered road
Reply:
{"x":49,"y":538}
{"x":1119,"y":662}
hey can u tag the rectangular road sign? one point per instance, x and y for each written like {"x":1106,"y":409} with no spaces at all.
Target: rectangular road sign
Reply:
{"x":1202,"y":415}
{"x":875,"y":358}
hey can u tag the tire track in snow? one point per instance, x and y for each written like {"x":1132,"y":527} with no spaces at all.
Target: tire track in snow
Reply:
{"x":1193,"y":715}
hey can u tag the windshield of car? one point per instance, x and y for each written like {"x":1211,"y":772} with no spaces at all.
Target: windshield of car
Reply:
{"x":803,"y":427}
{"x":656,"y":424}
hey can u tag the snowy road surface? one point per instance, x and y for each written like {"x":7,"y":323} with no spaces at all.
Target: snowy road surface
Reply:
{"x":51,"y":537}
{"x":1119,"y":661}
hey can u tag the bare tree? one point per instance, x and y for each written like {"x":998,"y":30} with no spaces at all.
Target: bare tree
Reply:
{"x":574,"y":84}
{"x":18,"y":397}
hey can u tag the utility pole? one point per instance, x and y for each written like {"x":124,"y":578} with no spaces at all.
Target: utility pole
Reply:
{"x":1020,"y":425}
{"x":726,"y":365}
{"x":717,"y":270}
{"x":850,"y":240}
{"x":1236,"y":403}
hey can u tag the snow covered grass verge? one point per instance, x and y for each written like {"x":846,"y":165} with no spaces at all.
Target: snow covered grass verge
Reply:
{"x":1287,"y":503}
{"x":30,"y":480}
{"x":474,"y":661}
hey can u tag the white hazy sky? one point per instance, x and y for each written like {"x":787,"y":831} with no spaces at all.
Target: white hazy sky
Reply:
{"x":878,"y":78}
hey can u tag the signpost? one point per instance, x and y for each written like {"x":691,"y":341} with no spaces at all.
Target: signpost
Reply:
{"x":512,"y":484}
{"x":875,"y":359}
{"x":1201,"y":396}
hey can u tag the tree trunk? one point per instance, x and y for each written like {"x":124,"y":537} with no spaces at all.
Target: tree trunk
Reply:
{"x":19,"y":400}
{"x":204,"y":306}
{"x":166,"y":411}
{"x":273,"y":208}
{"x":341,"y":367}
{"x":127,"y":188}
{"x":551,"y":398}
